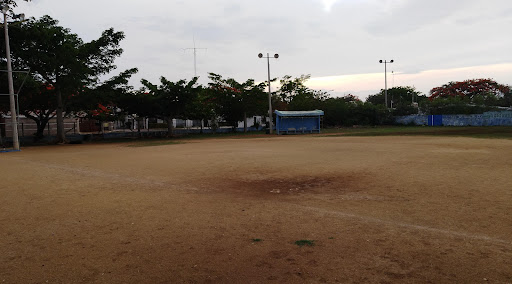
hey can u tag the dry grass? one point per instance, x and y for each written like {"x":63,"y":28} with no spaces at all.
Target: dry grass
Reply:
{"x":381,"y":209}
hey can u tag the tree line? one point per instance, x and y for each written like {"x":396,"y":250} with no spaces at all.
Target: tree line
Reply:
{"x":64,"y":80}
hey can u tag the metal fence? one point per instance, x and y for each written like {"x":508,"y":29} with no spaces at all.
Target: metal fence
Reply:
{"x":29,"y":129}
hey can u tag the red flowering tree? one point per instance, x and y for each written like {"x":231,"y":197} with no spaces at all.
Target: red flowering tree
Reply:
{"x":102,"y":111}
{"x":467,"y":97}
{"x":100,"y":101}
{"x":476,"y":91}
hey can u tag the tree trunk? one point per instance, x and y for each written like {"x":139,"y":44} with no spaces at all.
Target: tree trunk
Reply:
{"x":170,"y":127}
{"x":41,"y":125}
{"x":41,"y":120}
{"x":61,"y":135}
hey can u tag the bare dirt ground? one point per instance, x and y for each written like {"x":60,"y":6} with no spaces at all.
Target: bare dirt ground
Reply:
{"x":379,"y":210}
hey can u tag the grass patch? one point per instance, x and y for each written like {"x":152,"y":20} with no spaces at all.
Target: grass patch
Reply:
{"x":257,"y":240}
{"x":228,"y":135}
{"x":301,"y":243}
{"x":496,"y":132}
{"x":487,"y":132}
{"x":149,"y":143}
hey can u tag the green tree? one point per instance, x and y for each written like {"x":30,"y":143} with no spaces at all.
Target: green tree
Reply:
{"x":336,"y":111}
{"x":295,"y":95}
{"x":101,"y":102}
{"x":202,"y":107}
{"x":138,"y":104}
{"x":37,"y":100}
{"x":506,"y":100}
{"x":59,"y":58}
{"x":107,"y":93}
{"x":453,"y":105}
{"x":398,"y":95}
{"x":402,"y":98}
{"x":350,"y":110}
{"x":10,"y":3}
{"x":172,"y":99}
{"x":307,"y":100}
{"x":236,"y":101}
{"x":292,"y":87}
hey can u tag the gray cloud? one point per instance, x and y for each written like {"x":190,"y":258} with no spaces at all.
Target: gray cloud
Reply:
{"x":412,"y":15}
{"x":350,"y":38}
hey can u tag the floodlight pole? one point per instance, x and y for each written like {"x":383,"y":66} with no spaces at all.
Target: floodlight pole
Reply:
{"x":270,"y":118}
{"x":15,"y":140}
{"x":386,"y":80}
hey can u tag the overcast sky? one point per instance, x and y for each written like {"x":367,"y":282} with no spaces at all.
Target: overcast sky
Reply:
{"x":338,"y":42}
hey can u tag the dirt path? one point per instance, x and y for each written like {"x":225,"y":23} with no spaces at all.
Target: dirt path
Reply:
{"x":379,"y":209}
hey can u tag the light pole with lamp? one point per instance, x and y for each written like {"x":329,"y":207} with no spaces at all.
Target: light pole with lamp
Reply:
{"x":269,"y":92}
{"x":386,"y":80}
{"x":15,"y":140}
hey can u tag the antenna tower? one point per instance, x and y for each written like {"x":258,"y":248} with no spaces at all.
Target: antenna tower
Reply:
{"x":195,"y":52}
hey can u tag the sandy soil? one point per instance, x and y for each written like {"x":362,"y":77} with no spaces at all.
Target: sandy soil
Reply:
{"x":379,"y":209}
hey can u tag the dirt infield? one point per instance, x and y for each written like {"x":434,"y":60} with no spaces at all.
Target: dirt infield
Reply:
{"x":378,"y":209}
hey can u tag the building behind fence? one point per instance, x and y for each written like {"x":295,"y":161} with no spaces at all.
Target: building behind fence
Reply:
{"x":491,"y":118}
{"x":27,"y":128}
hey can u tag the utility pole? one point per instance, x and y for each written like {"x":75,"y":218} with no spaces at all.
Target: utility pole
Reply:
{"x":14,"y":113}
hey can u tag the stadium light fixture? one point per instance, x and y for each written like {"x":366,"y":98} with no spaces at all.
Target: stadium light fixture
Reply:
{"x":386,"y":80}
{"x":276,"y":56}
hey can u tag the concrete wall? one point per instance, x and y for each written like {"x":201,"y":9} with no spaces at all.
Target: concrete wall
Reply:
{"x":415,"y":119}
{"x":491,"y":118}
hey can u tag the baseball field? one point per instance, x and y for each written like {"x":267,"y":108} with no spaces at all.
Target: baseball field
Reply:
{"x":280,"y":209}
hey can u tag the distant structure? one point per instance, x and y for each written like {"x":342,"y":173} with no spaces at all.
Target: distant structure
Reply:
{"x":195,"y":52}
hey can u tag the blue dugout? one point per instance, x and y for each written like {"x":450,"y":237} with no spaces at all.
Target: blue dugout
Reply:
{"x":296,"y":122}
